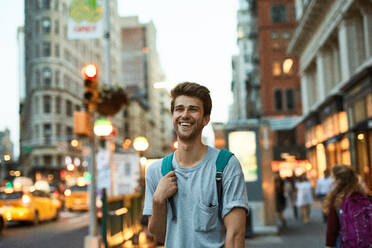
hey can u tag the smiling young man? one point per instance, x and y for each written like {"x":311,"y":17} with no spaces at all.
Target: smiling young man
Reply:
{"x":192,"y":183}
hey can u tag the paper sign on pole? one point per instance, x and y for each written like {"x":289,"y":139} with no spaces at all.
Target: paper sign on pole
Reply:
{"x":85,"y":19}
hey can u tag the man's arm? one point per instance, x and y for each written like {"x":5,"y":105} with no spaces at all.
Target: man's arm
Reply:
{"x":166,"y":188}
{"x":235,"y":228}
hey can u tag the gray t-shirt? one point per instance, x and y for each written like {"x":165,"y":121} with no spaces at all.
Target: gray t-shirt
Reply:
{"x":196,"y":201}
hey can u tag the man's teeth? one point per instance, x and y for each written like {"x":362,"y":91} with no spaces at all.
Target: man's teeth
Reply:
{"x":185,"y":124}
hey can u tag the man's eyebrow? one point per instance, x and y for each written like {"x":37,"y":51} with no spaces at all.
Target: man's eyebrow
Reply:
{"x":189,"y":106}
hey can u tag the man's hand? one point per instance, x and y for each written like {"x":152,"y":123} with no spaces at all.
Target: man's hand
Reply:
{"x":166,"y":188}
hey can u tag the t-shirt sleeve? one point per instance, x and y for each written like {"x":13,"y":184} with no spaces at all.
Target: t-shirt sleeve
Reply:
{"x":234,"y":189}
{"x":150,"y":189}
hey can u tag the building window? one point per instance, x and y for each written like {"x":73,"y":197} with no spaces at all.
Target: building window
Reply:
{"x":37,"y":79}
{"x":290,"y":99}
{"x":37,"y":27}
{"x":274,"y":35}
{"x":288,"y":66}
{"x":246,"y":58}
{"x":58,"y":105}
{"x":36,"y":105}
{"x":56,"y":27}
{"x":56,"y":50}
{"x":46,"y":104}
{"x":47,"y":77}
{"x":58,"y":130}
{"x":68,"y":108}
{"x":46,"y":49}
{"x":47,"y":160}
{"x":57,"y":78}
{"x":56,"y":5}
{"x":277,"y":71}
{"x":286,"y":35}
{"x":275,"y":44}
{"x":37,"y":51}
{"x":278,"y":100}
{"x":37,"y":132}
{"x":46,"y":4}
{"x":68,"y":133}
{"x":47,"y":133}
{"x":278,"y":13}
{"x":46,"y":25}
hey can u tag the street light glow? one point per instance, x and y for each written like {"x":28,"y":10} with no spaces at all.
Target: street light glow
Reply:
{"x":140,"y":144}
{"x":102,"y":127}
{"x":89,"y":71}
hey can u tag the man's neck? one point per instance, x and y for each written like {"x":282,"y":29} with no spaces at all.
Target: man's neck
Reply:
{"x":190,"y":153}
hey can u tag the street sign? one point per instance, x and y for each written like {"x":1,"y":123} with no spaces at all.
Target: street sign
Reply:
{"x":85,"y":19}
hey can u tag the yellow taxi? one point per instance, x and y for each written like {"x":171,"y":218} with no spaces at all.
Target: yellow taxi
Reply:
{"x":76,"y":197}
{"x":33,"y":205}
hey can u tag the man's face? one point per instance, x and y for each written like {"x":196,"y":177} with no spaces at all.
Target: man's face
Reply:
{"x":188,"y":119}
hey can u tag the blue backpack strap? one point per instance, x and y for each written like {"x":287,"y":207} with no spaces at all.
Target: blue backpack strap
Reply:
{"x":221,"y":162}
{"x":166,"y":167}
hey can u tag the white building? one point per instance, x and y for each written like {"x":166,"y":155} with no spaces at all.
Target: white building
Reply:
{"x":334,"y":43}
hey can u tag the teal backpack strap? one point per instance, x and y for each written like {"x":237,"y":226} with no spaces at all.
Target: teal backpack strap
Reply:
{"x":166,"y":167}
{"x":221,"y":162}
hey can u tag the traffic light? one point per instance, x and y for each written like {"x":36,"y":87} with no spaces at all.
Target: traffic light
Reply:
{"x":89,"y":72}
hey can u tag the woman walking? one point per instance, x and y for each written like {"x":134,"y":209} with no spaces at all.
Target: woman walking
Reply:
{"x":346,"y":190}
{"x":304,"y":197}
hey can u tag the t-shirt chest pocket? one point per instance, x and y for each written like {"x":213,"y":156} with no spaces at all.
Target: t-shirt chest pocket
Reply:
{"x":205,"y":215}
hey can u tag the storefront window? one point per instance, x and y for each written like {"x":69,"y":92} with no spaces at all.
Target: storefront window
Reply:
{"x":321,"y":157}
{"x":319,"y":134}
{"x":342,"y":122}
{"x":369,"y":105}
{"x":363,"y":163}
{"x":345,"y":152}
{"x":359,"y":110}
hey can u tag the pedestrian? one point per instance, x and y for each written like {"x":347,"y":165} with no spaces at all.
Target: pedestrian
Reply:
{"x":323,"y":186}
{"x":304,"y":197}
{"x":349,"y":210}
{"x":290,"y":193}
{"x":280,"y":200}
{"x":191,"y":184}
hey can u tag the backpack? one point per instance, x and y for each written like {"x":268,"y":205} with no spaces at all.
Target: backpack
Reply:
{"x":356,"y":222}
{"x":221,"y":162}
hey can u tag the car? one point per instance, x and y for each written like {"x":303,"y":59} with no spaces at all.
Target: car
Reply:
{"x":31,"y":206}
{"x":76,"y":197}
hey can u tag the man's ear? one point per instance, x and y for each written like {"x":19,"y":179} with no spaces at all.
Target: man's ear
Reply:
{"x":206,"y":120}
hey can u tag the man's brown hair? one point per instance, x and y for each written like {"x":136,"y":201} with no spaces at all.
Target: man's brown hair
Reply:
{"x":193,"y":90}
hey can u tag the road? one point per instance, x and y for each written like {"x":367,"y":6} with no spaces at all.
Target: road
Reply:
{"x":68,"y":231}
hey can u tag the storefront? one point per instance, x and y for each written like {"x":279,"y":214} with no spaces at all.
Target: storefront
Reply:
{"x":358,"y":103}
{"x":326,"y":138}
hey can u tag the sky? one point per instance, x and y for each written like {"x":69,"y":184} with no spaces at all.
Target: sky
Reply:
{"x":195,"y":39}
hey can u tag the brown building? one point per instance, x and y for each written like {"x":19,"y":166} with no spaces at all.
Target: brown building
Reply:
{"x":280,"y":84}
{"x":280,"y":91}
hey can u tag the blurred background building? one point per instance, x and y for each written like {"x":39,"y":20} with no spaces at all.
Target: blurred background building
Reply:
{"x":53,"y":85}
{"x":334,"y":44}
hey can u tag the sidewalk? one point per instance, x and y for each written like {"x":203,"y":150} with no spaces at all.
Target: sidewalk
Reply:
{"x":297,"y":234}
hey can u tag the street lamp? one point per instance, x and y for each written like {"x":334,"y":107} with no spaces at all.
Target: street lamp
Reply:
{"x":140,"y":144}
{"x":102,"y":127}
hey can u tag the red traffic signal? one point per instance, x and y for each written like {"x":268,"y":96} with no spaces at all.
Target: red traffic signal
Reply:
{"x":89,"y":71}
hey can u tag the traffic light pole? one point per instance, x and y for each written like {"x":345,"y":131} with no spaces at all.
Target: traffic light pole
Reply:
{"x":92,"y":240}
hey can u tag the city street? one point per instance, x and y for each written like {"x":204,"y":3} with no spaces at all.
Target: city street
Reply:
{"x":296,"y":235}
{"x":68,"y":231}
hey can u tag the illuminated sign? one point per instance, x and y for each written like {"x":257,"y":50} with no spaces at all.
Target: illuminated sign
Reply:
{"x":243,"y":145}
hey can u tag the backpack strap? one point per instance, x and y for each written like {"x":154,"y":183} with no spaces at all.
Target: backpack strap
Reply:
{"x":221,"y":162}
{"x":166,"y":167}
